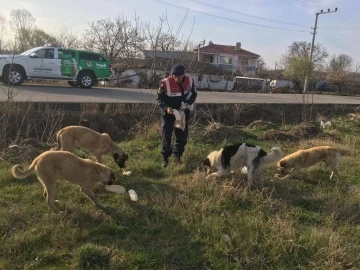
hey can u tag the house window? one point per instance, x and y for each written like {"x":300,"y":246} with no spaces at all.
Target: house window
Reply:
{"x":208,"y":58}
{"x":226,"y":60}
{"x":245,"y":62}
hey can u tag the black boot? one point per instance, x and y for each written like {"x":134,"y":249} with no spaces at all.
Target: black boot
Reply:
{"x":165,"y":163}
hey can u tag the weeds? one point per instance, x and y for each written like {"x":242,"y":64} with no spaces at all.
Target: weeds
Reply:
{"x":181,"y":218}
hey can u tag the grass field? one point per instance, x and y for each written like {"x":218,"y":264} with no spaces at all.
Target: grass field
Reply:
{"x":182,"y":221}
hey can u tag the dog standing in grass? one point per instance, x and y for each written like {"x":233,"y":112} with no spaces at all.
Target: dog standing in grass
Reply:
{"x":235,"y":157}
{"x":83,"y":172}
{"x":293,"y":163}
{"x":96,"y":143}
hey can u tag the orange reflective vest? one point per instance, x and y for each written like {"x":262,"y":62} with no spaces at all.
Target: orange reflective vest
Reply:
{"x":174,"y":90}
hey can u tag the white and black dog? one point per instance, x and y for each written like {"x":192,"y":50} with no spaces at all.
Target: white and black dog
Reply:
{"x":235,"y":157}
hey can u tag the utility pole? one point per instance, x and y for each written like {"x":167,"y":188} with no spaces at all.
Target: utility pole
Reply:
{"x":200,"y":43}
{"x":312,"y":47}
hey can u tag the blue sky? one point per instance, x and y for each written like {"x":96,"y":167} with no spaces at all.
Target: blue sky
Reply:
{"x":339,"y":32}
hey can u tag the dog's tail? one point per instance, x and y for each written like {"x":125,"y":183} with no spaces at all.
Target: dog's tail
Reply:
{"x":58,"y":147}
{"x":18,"y":171}
{"x":274,"y":155}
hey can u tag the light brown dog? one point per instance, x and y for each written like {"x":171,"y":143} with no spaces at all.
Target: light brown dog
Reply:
{"x":96,"y":143}
{"x":83,"y":172}
{"x":293,"y":163}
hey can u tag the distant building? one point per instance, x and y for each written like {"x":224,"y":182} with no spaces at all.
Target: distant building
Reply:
{"x":231,"y":57}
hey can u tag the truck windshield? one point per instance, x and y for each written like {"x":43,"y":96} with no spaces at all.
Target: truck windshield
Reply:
{"x":30,"y":51}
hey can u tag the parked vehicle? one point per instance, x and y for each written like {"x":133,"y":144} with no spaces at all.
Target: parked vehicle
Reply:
{"x":322,"y":86}
{"x":78,"y":67}
{"x":281,"y":83}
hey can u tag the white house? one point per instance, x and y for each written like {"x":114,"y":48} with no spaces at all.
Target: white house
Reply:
{"x":231,"y":57}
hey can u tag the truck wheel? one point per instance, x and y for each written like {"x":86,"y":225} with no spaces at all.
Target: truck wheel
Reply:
{"x":15,"y":76}
{"x":73,"y":84}
{"x":86,"y":80}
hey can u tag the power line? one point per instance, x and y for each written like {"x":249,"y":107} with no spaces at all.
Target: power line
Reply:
{"x":246,"y":14}
{"x":350,"y":17}
{"x":316,"y":4}
{"x":301,"y":3}
{"x":347,"y":22}
{"x":340,"y":40}
{"x":343,"y":23}
{"x":329,"y":41}
{"x":339,"y":44}
{"x":229,"y":19}
{"x":297,"y":4}
{"x":337,"y":39}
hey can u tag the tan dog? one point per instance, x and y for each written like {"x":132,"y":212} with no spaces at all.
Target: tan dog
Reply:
{"x":293,"y":163}
{"x":96,"y":143}
{"x":83,"y":172}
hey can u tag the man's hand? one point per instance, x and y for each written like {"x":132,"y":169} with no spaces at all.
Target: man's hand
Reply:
{"x":169,"y":110}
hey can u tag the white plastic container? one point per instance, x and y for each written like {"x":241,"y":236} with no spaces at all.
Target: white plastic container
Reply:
{"x":133,"y":195}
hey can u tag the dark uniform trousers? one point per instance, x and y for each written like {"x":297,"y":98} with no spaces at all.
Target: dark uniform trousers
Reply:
{"x":181,"y":136}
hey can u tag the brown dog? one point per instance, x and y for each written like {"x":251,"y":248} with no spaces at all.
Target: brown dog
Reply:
{"x":83,"y":172}
{"x":293,"y":163}
{"x":96,"y":143}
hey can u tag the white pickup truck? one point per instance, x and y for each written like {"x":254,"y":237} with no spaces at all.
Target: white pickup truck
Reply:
{"x":78,"y":67}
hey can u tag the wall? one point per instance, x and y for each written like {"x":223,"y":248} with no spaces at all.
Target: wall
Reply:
{"x":210,"y":82}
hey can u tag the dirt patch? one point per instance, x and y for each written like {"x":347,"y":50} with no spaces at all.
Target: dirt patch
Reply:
{"x":217,"y":133}
{"x":262,"y":125}
{"x":24,"y":151}
{"x":294,"y":135}
{"x":278,"y":135}
{"x":306,"y":132}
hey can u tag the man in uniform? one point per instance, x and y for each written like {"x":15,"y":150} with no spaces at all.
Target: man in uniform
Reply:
{"x":175,"y":91}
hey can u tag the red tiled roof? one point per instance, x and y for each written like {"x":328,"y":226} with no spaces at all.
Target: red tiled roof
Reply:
{"x":229,"y":49}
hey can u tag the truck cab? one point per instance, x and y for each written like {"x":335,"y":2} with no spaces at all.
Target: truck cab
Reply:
{"x":78,"y":67}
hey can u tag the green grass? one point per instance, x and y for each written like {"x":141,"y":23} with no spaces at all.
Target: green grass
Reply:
{"x":307,"y":223}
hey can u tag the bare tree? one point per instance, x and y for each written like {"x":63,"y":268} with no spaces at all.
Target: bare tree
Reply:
{"x":163,"y":38}
{"x":39,"y":37}
{"x":66,"y":37}
{"x":260,"y":66}
{"x":115,"y":38}
{"x":301,"y":49}
{"x":338,"y":70}
{"x":22,"y":22}
{"x":159,"y":39}
{"x":2,"y":32}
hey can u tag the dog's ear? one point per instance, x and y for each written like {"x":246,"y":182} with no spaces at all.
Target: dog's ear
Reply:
{"x":207,"y":163}
{"x":282,"y":163}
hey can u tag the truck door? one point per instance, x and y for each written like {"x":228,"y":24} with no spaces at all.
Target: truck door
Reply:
{"x":66,"y":64}
{"x":42,"y":64}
